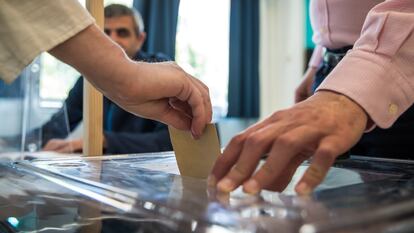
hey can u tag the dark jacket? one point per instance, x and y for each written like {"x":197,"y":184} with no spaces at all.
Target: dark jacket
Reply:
{"x":124,"y":132}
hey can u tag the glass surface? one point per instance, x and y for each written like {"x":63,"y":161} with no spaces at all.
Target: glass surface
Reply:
{"x":144,"y":193}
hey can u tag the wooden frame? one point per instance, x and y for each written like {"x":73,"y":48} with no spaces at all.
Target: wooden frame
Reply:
{"x":93,"y":99}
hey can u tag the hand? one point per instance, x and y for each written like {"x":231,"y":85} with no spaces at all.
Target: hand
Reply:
{"x":161,"y":91}
{"x":322,"y":127}
{"x":304,"y":90}
{"x":64,"y":146}
{"x":164,"y":92}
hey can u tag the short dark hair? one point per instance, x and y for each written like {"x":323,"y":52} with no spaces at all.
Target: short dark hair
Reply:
{"x":117,"y":10}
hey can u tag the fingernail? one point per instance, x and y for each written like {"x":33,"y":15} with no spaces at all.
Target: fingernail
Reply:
{"x":211,"y":181}
{"x":251,"y":187}
{"x":226,"y":185}
{"x":194,"y":134}
{"x":303,"y":189}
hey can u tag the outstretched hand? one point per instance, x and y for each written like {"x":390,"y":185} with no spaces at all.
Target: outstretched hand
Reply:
{"x":322,"y":127}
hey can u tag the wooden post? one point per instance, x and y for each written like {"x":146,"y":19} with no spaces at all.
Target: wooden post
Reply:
{"x":92,"y":99}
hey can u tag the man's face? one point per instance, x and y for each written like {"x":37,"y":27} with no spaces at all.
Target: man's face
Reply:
{"x":122,"y":31}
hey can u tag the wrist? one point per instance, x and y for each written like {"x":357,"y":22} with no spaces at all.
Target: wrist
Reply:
{"x":352,"y":108}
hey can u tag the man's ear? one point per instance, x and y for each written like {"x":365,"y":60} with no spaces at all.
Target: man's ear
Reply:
{"x":142,"y":37}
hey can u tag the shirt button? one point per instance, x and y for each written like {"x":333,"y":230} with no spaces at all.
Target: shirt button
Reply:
{"x":393,"y":109}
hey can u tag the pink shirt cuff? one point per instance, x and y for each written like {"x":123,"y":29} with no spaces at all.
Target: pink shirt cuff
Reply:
{"x":374,"y":82}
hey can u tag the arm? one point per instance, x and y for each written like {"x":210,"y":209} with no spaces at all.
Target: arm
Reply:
{"x":378,"y":74}
{"x":376,"y":79}
{"x":72,"y":37}
{"x":304,"y":90}
{"x":140,"y":88}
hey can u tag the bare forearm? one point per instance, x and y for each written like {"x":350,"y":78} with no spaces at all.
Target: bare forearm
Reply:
{"x":96,"y":57}
{"x":141,"y":88}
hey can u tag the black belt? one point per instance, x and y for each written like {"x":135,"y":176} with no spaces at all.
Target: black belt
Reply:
{"x":333,"y":56}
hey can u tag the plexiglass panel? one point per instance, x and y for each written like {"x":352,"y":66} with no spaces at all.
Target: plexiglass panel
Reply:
{"x":23,"y":113}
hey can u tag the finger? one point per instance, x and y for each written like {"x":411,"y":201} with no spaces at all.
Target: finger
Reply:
{"x":231,"y":153}
{"x":206,"y":118}
{"x":66,"y":149}
{"x":283,"y":181}
{"x":207,"y":100}
{"x":322,"y":161}
{"x":171,"y":116}
{"x":180,"y":106}
{"x":298,"y":95}
{"x":195,"y":100}
{"x":283,"y":151}
{"x":53,"y":145}
{"x":256,"y":144}
{"x":48,"y":146}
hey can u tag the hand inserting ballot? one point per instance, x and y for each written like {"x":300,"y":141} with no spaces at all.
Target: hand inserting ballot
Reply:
{"x":158,"y":91}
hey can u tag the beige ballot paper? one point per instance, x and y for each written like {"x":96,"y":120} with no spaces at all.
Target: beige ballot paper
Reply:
{"x":195,"y":158}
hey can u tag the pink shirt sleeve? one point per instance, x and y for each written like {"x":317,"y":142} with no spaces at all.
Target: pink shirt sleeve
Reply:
{"x":316,"y":58}
{"x":378,"y":73}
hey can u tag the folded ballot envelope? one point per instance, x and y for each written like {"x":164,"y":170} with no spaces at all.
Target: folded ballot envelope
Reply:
{"x":195,"y":158}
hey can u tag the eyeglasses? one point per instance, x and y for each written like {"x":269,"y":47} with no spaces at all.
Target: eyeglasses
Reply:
{"x":121,"y":32}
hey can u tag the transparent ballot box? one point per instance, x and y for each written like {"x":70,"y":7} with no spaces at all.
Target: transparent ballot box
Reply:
{"x":145,"y":193}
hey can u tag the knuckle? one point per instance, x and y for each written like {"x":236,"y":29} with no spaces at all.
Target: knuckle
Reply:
{"x":239,"y":171}
{"x":203,"y":85}
{"x":327,"y":153}
{"x":238,"y":139}
{"x":224,"y":159}
{"x":267,"y":169}
{"x":314,"y":174}
{"x":253,"y":141}
{"x":276,"y":116}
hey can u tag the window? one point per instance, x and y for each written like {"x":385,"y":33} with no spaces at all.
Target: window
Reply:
{"x":202,"y":46}
{"x":56,"y":80}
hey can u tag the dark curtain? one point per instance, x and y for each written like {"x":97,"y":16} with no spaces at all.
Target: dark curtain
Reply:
{"x":160,"y":19}
{"x":243,"y":92}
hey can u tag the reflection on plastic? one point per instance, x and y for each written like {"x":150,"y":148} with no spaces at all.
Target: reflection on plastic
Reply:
{"x":123,"y":194}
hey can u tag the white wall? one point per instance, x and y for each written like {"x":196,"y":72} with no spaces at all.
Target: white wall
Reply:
{"x":282,"y":51}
